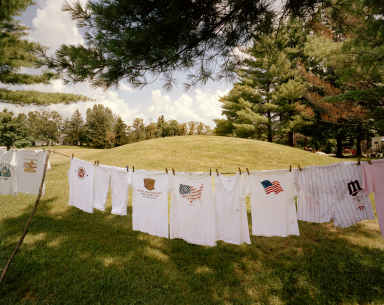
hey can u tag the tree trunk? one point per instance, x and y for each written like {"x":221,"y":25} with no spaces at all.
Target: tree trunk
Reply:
{"x":339,"y":151}
{"x":316,"y":145}
{"x":269,"y":127}
{"x":358,"y":146}
{"x":290,"y":138}
{"x":305,"y":142}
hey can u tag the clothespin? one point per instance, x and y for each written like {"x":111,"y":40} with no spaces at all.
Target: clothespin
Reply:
{"x":133,"y":168}
{"x":239,"y":170}
{"x":166,"y":170}
{"x":247,"y":170}
{"x":358,"y":161}
{"x":210,"y":172}
{"x":369,"y":161}
{"x":217,"y":172}
{"x":95,"y":163}
{"x":98,"y":163}
{"x":127,"y":168}
{"x":173,"y":171}
{"x":290,"y":168}
{"x":73,"y":155}
{"x":300,"y":168}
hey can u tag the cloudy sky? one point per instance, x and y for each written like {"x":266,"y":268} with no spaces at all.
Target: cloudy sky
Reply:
{"x":52,"y":27}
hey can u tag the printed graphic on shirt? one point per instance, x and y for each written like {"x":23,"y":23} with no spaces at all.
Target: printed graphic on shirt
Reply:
{"x":190,"y":193}
{"x":149,"y":184}
{"x":354,"y":188}
{"x":29,"y":167}
{"x":5,"y":171}
{"x":81,"y":173}
{"x":269,"y":187}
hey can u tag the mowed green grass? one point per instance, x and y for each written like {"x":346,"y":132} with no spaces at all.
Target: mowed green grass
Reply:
{"x":71,"y":257}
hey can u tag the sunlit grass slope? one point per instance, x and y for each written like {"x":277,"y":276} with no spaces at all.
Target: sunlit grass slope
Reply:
{"x":201,"y":153}
{"x":71,"y":257}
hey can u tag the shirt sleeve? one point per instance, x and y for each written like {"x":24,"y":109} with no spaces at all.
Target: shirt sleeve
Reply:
{"x":245,"y":186}
{"x":367,"y":183}
{"x":169,"y":187}
{"x":13,"y":160}
{"x":293,"y":188}
{"x":130,"y":182}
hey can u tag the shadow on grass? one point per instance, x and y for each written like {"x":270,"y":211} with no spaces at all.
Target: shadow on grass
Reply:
{"x":80,"y":258}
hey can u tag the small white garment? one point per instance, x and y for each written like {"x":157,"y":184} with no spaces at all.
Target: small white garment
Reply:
{"x":272,"y":196}
{"x":192,"y":209}
{"x":81,"y":176}
{"x":8,"y":182}
{"x":119,"y":190}
{"x":101,"y":186}
{"x":115,"y":178}
{"x":30,"y":170}
{"x":150,"y":202}
{"x":231,"y":210}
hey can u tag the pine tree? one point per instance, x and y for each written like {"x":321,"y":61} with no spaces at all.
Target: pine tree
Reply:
{"x":14,"y":131}
{"x":263,"y":104}
{"x":16,"y":52}
{"x":120,"y":132}
{"x":75,"y":128}
{"x":129,"y":40}
{"x":99,"y":123}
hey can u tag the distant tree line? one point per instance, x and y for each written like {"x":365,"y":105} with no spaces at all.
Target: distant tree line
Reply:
{"x":100,"y":129}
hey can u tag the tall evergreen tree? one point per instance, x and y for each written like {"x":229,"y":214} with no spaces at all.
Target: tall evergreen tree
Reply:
{"x":16,"y":53}
{"x":263,"y":104}
{"x":75,"y":128}
{"x":121,"y":137}
{"x":99,"y":125}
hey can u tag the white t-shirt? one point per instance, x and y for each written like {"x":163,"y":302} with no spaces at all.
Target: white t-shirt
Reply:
{"x":30,"y":170}
{"x":192,"y":209}
{"x":119,"y":190}
{"x":150,"y":202}
{"x":8,"y":182}
{"x":231,"y":210}
{"x":101,"y":186}
{"x":272,"y":196}
{"x":81,"y":177}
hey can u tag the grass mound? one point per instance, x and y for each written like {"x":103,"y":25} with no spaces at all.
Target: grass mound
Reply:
{"x":71,"y":257}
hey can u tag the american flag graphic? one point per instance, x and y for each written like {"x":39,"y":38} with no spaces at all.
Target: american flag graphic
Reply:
{"x":271,"y":187}
{"x":190,"y":193}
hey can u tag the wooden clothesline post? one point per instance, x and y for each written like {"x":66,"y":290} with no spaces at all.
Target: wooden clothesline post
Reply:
{"x":29,"y":219}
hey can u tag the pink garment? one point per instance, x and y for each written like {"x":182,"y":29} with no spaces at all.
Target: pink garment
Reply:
{"x":373,"y":181}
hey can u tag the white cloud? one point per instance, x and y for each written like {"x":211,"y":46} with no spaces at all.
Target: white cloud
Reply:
{"x":203,"y":108}
{"x":53,"y":27}
{"x":124,"y":87}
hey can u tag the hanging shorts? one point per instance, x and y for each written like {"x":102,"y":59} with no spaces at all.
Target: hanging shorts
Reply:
{"x":332,"y":192}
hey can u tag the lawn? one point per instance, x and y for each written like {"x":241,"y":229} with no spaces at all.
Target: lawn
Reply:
{"x":71,"y":257}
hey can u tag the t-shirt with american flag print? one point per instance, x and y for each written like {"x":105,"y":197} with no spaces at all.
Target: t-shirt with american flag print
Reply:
{"x":272,"y":197}
{"x":192,"y":216}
